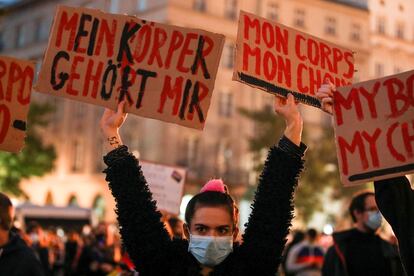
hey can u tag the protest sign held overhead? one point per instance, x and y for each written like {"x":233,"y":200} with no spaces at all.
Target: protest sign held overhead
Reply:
{"x":163,"y":72}
{"x":374,"y":128}
{"x":279,"y":59}
{"x":166,"y":184}
{"x":16,"y":78}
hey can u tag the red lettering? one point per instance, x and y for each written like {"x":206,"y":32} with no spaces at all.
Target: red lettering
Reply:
{"x":3,"y":71}
{"x":408,"y":139}
{"x":74,"y":75}
{"x":173,"y":93}
{"x":247,"y":51}
{"x":325,"y":57}
{"x":94,"y":78}
{"x":269,"y":70}
{"x":372,"y":140}
{"x":352,"y":101}
{"x":349,"y":59}
{"x":315,"y":80}
{"x":144,"y":36}
{"x":313,"y":52}
{"x":159,"y":41}
{"x":301,"y":87}
{"x":298,"y":47}
{"x":177,"y":39}
{"x":184,"y":52}
{"x":338,"y":56}
{"x":357,"y":142}
{"x":17,"y":75}
{"x":248,"y":23}
{"x":268,"y":35}
{"x":398,"y":156}
{"x":282,"y":40}
{"x":5,"y":113}
{"x":68,"y":25}
{"x":371,"y":98}
{"x":109,"y":35}
{"x":396,"y":97}
{"x":284,"y":69}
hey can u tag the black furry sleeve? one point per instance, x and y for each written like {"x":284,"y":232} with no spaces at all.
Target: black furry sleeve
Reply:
{"x":143,"y":235}
{"x":395,"y":199}
{"x":272,"y":210}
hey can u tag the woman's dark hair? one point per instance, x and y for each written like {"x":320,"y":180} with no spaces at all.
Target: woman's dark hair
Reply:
{"x":212,"y":199}
{"x":358,"y":203}
{"x":5,"y":218}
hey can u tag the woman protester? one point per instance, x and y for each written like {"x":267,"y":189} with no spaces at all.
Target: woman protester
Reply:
{"x":211,"y":216}
{"x":394,"y":197}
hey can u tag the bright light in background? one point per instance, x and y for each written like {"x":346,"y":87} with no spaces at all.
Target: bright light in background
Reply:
{"x":184,"y":202}
{"x":328,"y":229}
{"x":60,"y":232}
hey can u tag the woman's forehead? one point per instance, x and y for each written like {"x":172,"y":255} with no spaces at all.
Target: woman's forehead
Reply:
{"x":209,"y":215}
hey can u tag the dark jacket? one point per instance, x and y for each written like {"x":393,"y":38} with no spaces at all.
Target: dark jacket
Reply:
{"x":395,"y":199}
{"x":17,"y":259}
{"x":337,"y":258}
{"x":150,"y":246}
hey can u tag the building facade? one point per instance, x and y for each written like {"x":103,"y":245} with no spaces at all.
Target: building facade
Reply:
{"x":380,"y":39}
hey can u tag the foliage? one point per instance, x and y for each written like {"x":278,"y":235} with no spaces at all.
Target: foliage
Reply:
{"x":35,"y":159}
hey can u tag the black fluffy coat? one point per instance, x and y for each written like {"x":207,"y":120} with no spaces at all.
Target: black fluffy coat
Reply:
{"x":154,"y":253}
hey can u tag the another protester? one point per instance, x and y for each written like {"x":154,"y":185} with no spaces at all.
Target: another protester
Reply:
{"x":16,"y":258}
{"x":211,"y":219}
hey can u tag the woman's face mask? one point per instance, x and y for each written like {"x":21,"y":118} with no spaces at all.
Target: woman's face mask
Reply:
{"x":374,"y":220}
{"x":210,"y":250}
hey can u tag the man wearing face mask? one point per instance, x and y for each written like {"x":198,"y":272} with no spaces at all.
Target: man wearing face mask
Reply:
{"x":360,"y":251}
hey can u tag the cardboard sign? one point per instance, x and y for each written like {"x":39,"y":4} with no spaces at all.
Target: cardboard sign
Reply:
{"x":16,"y":78}
{"x":166,"y":184}
{"x":163,"y":72}
{"x":374,"y":127}
{"x":282,"y":60}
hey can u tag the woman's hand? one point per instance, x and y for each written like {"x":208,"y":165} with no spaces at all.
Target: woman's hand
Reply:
{"x":288,"y":108}
{"x":325,"y":96}
{"x":110,"y":123}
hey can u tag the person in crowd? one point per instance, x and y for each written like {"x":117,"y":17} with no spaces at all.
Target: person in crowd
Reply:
{"x":297,"y":237}
{"x":306,"y":257}
{"x":73,"y":249}
{"x":176,"y":225}
{"x":394,"y":196}
{"x":39,"y":242}
{"x":16,"y":258}
{"x":211,"y":216}
{"x":360,"y":251}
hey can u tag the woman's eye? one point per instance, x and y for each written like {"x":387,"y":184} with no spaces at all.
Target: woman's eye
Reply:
{"x":201,"y":229}
{"x":223,"y":231}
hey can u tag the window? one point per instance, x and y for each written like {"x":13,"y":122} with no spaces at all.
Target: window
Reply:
{"x":399,"y":30}
{"x":42,"y":30}
{"x":299,"y":20}
{"x":379,"y":70}
{"x":1,"y":41}
{"x":272,"y":11}
{"x":199,"y":5}
{"x":78,"y":154}
{"x":356,"y":32}
{"x":99,"y":207}
{"x":231,"y":9}
{"x":73,"y":201}
{"x":381,"y":25}
{"x":224,"y":156}
{"x":330,"y":28}
{"x":189,"y":151}
{"x":228,"y":60}
{"x":20,"y":37}
{"x":141,"y":5}
{"x":226,"y":104}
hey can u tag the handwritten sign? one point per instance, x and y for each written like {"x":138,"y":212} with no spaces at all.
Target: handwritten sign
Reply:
{"x":282,"y":60}
{"x":162,"y":71}
{"x":166,"y":184}
{"x":374,"y":126}
{"x":16,"y":77}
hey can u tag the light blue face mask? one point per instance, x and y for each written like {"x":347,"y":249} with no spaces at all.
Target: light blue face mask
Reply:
{"x":374,"y":220}
{"x":210,"y":251}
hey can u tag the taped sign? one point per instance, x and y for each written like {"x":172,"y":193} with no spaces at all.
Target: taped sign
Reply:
{"x":282,"y":60}
{"x":166,"y":184}
{"x":16,"y":78}
{"x":163,"y":72}
{"x":374,"y":128}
